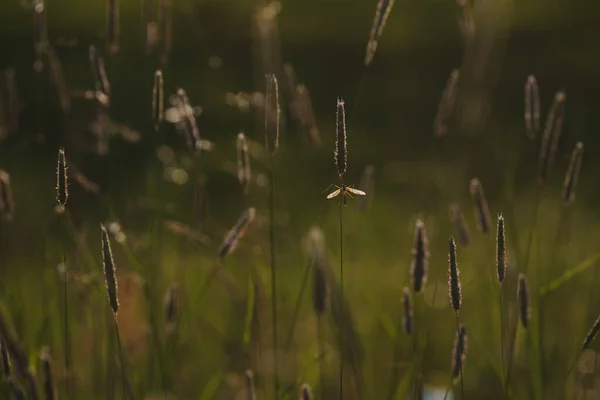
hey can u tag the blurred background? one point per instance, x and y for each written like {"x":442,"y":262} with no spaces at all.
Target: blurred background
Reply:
{"x":169,"y":207}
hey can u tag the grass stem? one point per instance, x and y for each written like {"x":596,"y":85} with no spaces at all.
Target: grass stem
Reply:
{"x":120,"y":357}
{"x":462,"y":385}
{"x":273,"y":274}
{"x":342,"y":291}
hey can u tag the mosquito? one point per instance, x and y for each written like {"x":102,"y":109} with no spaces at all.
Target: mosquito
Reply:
{"x":345,"y":191}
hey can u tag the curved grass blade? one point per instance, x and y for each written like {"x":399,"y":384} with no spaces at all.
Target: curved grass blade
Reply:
{"x":570,"y":273}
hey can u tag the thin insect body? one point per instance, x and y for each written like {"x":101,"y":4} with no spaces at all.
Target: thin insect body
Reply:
{"x":345,"y":191}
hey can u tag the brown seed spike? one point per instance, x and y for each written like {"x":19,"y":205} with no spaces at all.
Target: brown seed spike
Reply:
{"x":62,"y":183}
{"x":552,"y":132}
{"x":110,"y":271}
{"x":455,"y":289}
{"x":591,"y":334}
{"x":420,"y":260}
{"x":49,"y":391}
{"x":572,"y":175}
{"x":272,"y":113}
{"x":305,"y":392}
{"x":341,"y":153}
{"x":524,"y":301}
{"x":481,"y":207}
{"x":407,"y":318}
{"x":250,"y":392}
{"x":501,"y":250}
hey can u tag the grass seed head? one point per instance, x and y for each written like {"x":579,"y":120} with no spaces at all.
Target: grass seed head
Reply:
{"x":49,"y":390}
{"x":250,"y":391}
{"x":236,"y":233}
{"x":459,"y":353}
{"x":482,"y":210}
{"x":460,"y":224}
{"x":524,"y":301}
{"x":552,"y":132}
{"x":7,"y":204}
{"x":532,"y":107}
{"x":591,"y":335}
{"x":272,"y":113}
{"x":305,"y":392}
{"x":62,"y":183}
{"x":454,"y":286}
{"x":420,"y":258}
{"x":572,"y":175}
{"x":157,"y":99}
{"x":500,"y":250}
{"x":341,"y":152}
{"x":407,"y":318}
{"x":110,"y":271}
{"x":243,"y":161}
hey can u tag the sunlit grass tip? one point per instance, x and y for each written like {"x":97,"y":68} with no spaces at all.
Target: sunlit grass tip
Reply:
{"x":110,"y":271}
{"x":454,"y":286}
{"x":482,"y":211}
{"x":459,"y":353}
{"x":524,"y":301}
{"x":460,"y":224}
{"x":62,"y":183}
{"x":384,"y":7}
{"x":572,"y":175}
{"x":500,"y":250}
{"x":420,"y":258}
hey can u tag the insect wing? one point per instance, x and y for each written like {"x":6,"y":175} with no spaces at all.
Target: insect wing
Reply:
{"x":356,"y":191}
{"x":334,"y":193}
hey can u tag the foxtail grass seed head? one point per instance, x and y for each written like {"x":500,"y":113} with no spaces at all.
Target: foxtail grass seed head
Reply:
{"x":500,"y":250}
{"x":420,"y":258}
{"x":552,"y":132}
{"x":110,"y":271}
{"x":532,"y":107}
{"x":384,"y":7}
{"x":112,"y":26}
{"x":305,"y":392}
{"x":446,"y":106}
{"x":6,"y":366}
{"x":454,"y":286}
{"x":272,"y":114}
{"x":172,"y":304}
{"x":157,"y":99}
{"x":7,"y":204}
{"x":459,"y":353}
{"x":460,"y":224}
{"x":407,"y":318}
{"x":62,"y":182}
{"x":49,"y":391}
{"x":319,"y":293}
{"x":188,"y":124}
{"x":591,"y":335}
{"x":236,"y":233}
{"x":243,"y":161}
{"x":482,"y":210}
{"x":524,"y":301}
{"x":572,"y":175}
{"x":367,"y":185}
{"x":249,"y":386}
{"x":341,"y":153}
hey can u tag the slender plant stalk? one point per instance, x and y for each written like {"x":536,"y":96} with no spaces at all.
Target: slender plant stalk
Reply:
{"x":303,"y":284}
{"x":273,"y":273}
{"x":462,"y":385}
{"x":66,"y":333}
{"x":123,"y":379}
{"x":320,"y":348}
{"x":342,"y":291}
{"x":532,"y":224}
{"x":502,"y":338}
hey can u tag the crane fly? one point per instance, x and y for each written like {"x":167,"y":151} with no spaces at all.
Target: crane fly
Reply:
{"x":345,"y":191}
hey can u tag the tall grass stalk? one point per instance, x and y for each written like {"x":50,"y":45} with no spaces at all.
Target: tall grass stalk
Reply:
{"x":272,"y":119}
{"x":462,"y":385}
{"x":342,"y":291}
